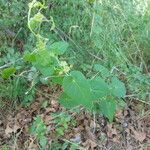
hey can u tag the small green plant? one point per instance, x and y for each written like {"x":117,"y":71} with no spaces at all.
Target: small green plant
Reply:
{"x":45,"y":56}
{"x":39,"y":130}
{"x":98,"y":92}
{"x":78,"y":90}
{"x":66,"y":145}
{"x":101,"y":93}
{"x":62,"y":123}
{"x":4,"y":147}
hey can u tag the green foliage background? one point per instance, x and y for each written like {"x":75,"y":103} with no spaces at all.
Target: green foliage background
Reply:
{"x":107,"y":41}
{"x":113,"y":33}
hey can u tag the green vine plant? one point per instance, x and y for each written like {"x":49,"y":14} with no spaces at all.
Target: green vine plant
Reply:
{"x":103,"y":93}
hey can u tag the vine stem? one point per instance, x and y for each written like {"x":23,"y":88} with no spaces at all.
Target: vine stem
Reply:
{"x":94,"y":117}
{"x":93,"y":20}
{"x":29,"y":15}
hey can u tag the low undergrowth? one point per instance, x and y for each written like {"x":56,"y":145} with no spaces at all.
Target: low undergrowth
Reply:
{"x":95,"y":51}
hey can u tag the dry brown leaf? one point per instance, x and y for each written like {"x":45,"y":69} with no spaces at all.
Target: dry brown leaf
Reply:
{"x":111,"y":131}
{"x":9,"y":130}
{"x":23,"y":117}
{"x":80,"y":128}
{"x":49,"y":110}
{"x":93,"y":124}
{"x":34,"y":106}
{"x":138,"y":135}
{"x":129,"y":147}
{"x":89,"y":144}
{"x":90,"y":134}
{"x":54,"y":104}
{"x":32,"y":146}
{"x":47,"y":119}
{"x":119,"y":114}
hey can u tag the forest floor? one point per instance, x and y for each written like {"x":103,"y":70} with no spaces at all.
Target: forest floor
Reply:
{"x":130,"y":129}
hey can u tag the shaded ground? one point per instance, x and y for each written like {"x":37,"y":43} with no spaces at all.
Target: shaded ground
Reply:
{"x":129,"y":131}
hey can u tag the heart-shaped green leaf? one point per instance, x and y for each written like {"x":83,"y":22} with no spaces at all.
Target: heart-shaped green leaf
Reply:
{"x":117,"y":88}
{"x":59,"y":48}
{"x":77,"y":87}
{"x":103,"y":71}
{"x":6,"y":73}
{"x":99,"y":88}
{"x":31,"y":57}
{"x":108,"y":108}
